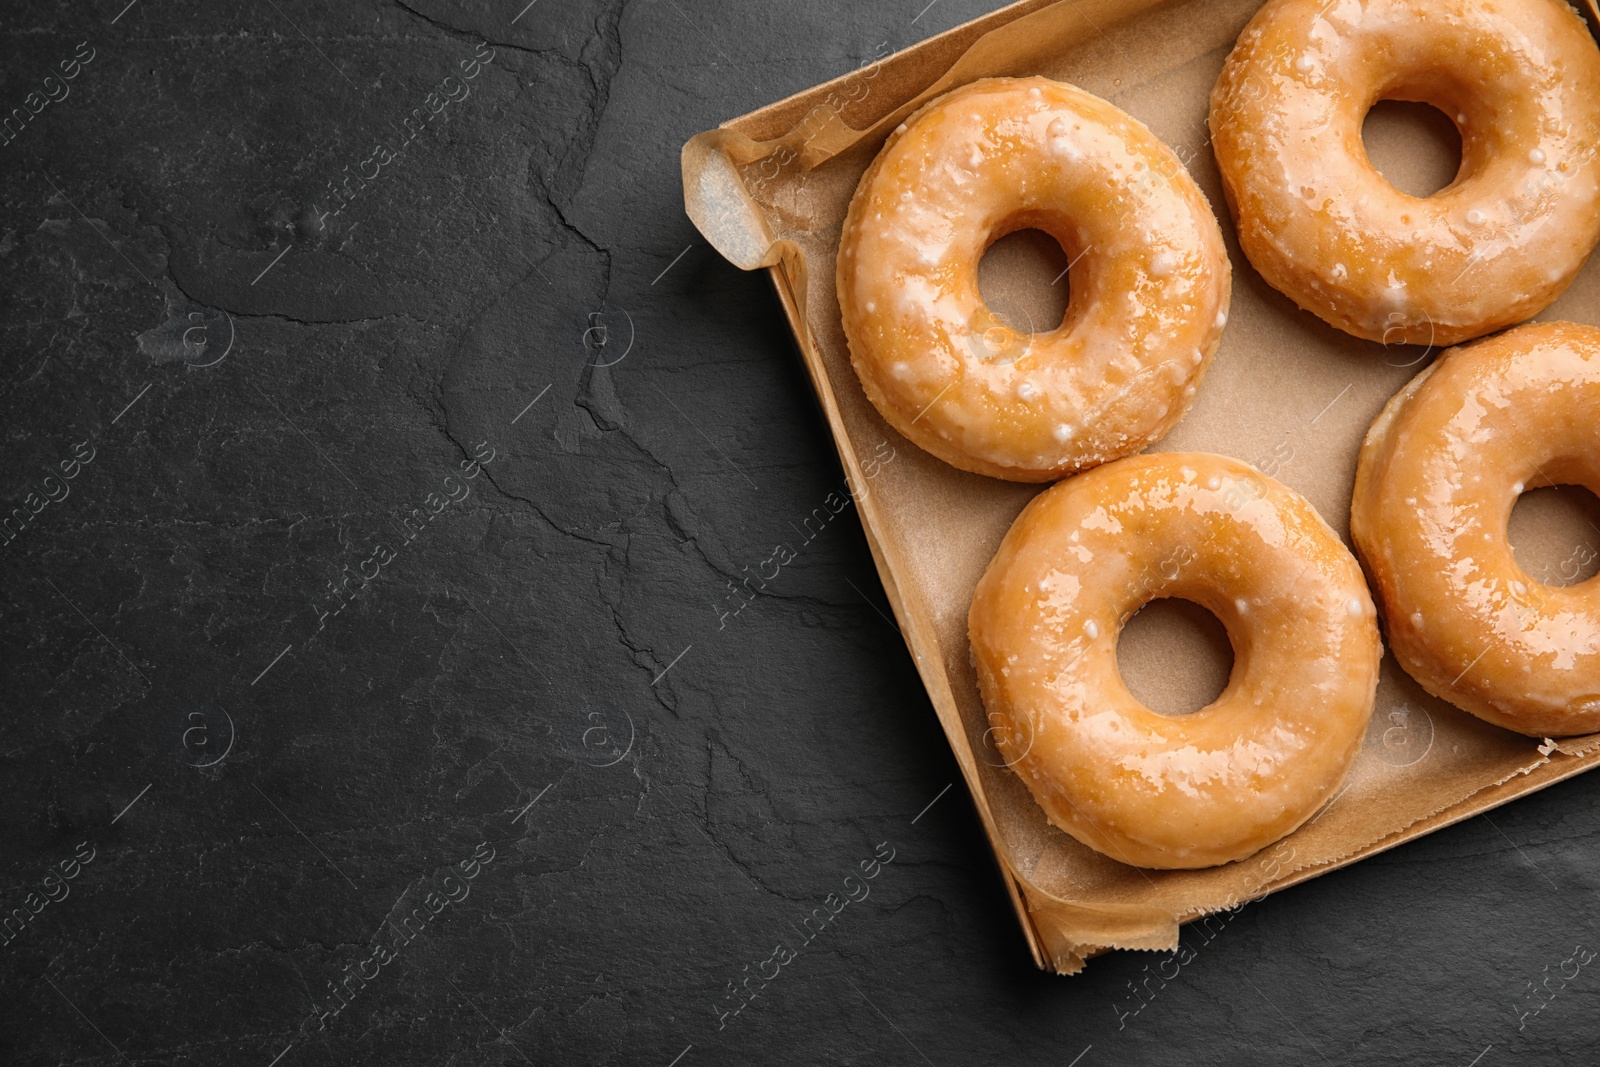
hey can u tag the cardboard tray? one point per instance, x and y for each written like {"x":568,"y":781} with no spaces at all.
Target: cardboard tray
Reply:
{"x":1286,"y":391}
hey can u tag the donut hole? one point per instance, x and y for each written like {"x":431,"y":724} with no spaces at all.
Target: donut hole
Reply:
{"x":1024,"y":280}
{"x":1174,"y":656}
{"x":1555,"y":534}
{"x":1415,"y":146}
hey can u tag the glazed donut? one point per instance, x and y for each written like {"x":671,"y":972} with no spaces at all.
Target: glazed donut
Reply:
{"x":1221,"y":783}
{"x":1149,"y":281}
{"x":1521,"y":79}
{"x":1439,"y":473}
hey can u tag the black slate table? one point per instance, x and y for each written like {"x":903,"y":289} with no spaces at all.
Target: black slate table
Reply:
{"x":384,"y":457}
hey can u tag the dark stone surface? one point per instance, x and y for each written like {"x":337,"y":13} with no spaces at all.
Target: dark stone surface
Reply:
{"x":528,"y":246}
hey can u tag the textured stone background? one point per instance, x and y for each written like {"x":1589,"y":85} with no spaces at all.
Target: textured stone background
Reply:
{"x":267,"y":390}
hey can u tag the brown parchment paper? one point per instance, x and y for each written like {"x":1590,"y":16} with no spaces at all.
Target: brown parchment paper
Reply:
{"x":1285,"y":391}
